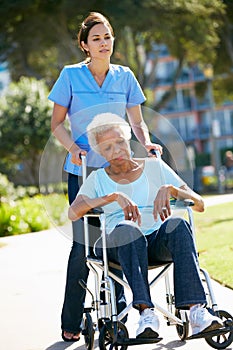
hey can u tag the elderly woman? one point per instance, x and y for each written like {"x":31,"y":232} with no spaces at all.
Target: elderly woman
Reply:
{"x":135,"y":196}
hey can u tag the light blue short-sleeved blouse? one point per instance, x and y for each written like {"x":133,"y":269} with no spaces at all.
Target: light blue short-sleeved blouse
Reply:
{"x":142,"y":192}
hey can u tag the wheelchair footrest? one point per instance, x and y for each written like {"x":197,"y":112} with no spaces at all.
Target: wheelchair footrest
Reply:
{"x":137,"y":341}
{"x":213,"y":333}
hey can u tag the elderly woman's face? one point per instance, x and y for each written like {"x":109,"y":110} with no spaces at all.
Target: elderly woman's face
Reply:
{"x":113,"y":146}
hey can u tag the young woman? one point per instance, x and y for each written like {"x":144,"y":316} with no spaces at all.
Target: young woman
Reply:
{"x":139,"y":225}
{"x":82,"y":91}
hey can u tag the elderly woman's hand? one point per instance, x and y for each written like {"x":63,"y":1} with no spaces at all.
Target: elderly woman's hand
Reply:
{"x":162,"y":203}
{"x":130,"y":209}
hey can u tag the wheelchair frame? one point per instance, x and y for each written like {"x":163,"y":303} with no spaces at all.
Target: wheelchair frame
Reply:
{"x":113,"y":332}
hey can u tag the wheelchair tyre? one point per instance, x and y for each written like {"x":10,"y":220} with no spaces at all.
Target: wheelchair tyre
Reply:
{"x":183,"y":330}
{"x":106,"y":336}
{"x":224,"y":340}
{"x":88,"y":331}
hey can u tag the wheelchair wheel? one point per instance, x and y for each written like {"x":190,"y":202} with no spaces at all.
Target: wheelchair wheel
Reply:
{"x":88,"y":331}
{"x":183,"y":330}
{"x":106,"y":336}
{"x":224,"y":340}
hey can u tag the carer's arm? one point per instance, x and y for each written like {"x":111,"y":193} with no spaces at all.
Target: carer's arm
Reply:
{"x":140,"y":128}
{"x":59,"y":131}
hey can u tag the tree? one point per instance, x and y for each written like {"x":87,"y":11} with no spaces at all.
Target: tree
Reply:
{"x":223,"y":73}
{"x":40,"y":32}
{"x":37,"y":38}
{"x":190,"y":29}
{"x":24,"y":127}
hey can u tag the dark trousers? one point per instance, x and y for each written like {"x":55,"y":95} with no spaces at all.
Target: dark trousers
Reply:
{"x":173,"y":242}
{"x":72,"y":311}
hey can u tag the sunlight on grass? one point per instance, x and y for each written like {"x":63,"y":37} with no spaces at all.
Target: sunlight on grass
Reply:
{"x":214,"y":234}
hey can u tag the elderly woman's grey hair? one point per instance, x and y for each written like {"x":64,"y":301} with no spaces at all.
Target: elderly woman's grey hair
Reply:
{"x":104,"y":122}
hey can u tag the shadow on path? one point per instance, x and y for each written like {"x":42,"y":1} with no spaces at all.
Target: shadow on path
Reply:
{"x":61,"y":345}
{"x":172,"y":345}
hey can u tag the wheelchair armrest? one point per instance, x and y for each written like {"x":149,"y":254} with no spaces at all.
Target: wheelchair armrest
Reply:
{"x":181,"y":204}
{"x":95,"y":212}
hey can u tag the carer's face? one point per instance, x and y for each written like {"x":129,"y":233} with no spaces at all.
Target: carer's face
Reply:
{"x":99,"y":42}
{"x":113,"y":146}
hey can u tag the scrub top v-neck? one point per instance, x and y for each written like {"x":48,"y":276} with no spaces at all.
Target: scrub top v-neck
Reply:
{"x":105,"y":83}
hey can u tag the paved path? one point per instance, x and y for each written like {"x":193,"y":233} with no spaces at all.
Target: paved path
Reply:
{"x":32,"y":275}
{"x":221,"y":198}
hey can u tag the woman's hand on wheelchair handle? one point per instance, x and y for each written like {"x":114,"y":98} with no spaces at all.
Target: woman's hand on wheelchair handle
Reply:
{"x":153,"y":148}
{"x":76,"y":156}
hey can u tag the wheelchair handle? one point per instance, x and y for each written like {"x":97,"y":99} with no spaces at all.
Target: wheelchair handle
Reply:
{"x":84,"y":166}
{"x":155,"y":153}
{"x":94,"y":211}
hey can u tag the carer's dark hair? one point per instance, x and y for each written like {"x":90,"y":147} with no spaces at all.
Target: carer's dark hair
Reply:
{"x":89,"y":22}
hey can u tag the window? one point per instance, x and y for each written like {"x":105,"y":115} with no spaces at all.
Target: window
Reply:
{"x":186,"y":127}
{"x":204,"y":127}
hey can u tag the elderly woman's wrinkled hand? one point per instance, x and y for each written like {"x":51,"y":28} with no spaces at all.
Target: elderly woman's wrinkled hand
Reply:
{"x":130,"y":209}
{"x":162,"y":203}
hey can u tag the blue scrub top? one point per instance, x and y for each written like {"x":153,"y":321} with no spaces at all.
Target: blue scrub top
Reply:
{"x":77,"y":90}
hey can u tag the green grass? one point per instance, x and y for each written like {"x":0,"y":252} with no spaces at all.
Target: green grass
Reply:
{"x":214,"y":235}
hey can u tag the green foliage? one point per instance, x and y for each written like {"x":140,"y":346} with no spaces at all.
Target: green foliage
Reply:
{"x":35,"y":36}
{"x":224,"y":61}
{"x":56,"y":207}
{"x":32,"y":214}
{"x":25,"y":115}
{"x":11,"y":219}
{"x":192,"y":30}
{"x":189,"y":28}
{"x":223,"y":88}
{"x":202,"y":159}
{"x":196,"y":27}
{"x":7,"y":190}
{"x":23,"y":210}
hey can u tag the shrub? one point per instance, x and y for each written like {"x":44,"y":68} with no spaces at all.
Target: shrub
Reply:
{"x":7,"y":190}
{"x":32,"y":214}
{"x":56,"y":206}
{"x":23,"y":210}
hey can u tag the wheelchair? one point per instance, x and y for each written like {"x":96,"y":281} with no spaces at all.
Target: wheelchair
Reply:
{"x":113,"y":333}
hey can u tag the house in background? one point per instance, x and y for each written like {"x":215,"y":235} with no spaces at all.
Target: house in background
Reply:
{"x":196,"y":119}
{"x":206,"y":130}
